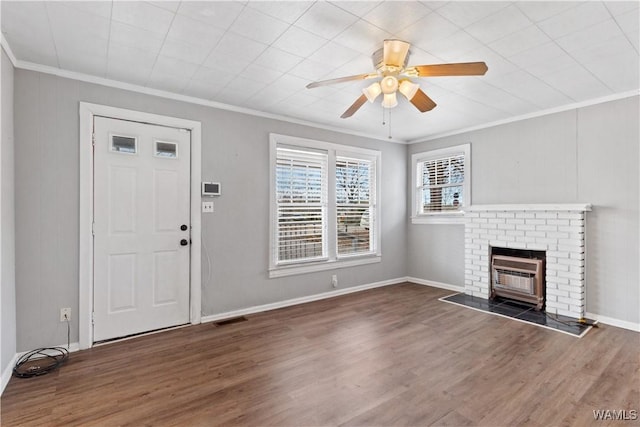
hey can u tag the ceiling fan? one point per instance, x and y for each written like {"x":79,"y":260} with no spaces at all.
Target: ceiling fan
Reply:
{"x":391,"y":67}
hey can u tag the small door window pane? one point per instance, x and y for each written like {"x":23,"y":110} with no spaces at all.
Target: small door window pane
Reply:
{"x":166,"y":149}
{"x":123,"y":144}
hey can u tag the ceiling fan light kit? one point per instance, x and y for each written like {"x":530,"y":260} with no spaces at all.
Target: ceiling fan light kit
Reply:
{"x":392,"y":70}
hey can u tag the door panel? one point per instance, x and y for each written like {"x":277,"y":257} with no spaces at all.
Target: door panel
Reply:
{"x":141,"y":198}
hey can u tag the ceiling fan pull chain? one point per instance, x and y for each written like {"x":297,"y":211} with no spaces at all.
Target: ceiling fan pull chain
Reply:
{"x":383,"y":122}
{"x":389,"y":124}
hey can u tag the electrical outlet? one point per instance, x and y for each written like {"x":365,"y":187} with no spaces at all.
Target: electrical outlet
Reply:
{"x":65,"y":314}
{"x":334,"y":280}
{"x":207,"y":207}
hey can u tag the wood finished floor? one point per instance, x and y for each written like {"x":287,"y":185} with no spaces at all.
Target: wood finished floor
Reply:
{"x":388,"y":356}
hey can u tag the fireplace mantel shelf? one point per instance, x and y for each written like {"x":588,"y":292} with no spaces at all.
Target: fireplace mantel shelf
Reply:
{"x":573,"y":207}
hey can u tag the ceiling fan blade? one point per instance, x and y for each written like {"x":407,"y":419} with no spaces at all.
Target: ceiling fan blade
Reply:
{"x":354,"y":107}
{"x":457,"y":69}
{"x":395,"y":52}
{"x":422,"y":102}
{"x":341,"y":80}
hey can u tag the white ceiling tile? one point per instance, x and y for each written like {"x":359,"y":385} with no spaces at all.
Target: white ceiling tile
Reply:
{"x":325,"y":20}
{"x":357,"y":8}
{"x":553,"y":65}
{"x":465,"y":13}
{"x":621,"y":7}
{"x":299,"y":42}
{"x":216,"y":77}
{"x":428,"y":31}
{"x":69,"y":46}
{"x":194,"y":32}
{"x":86,"y":63}
{"x":287,"y":11}
{"x":236,"y":46}
{"x":101,"y":8}
{"x":455,"y":46}
{"x":504,"y":22}
{"x":258,"y":26}
{"x":219,"y":14}
{"x":530,"y":88}
{"x":594,"y":34}
{"x":309,"y":69}
{"x":123,"y":73}
{"x":230,"y":64}
{"x":630,"y":24}
{"x":574,"y":19}
{"x":201,"y":89}
{"x":175,"y":67}
{"x":621,"y":73}
{"x":334,"y":55}
{"x":135,"y":37}
{"x":538,"y":55}
{"x":42,"y":53}
{"x":69,"y":22}
{"x":520,"y":41}
{"x":540,"y":10}
{"x":606,"y":49}
{"x":277,"y":59}
{"x":577,"y":83}
{"x":185,"y":51}
{"x":244,"y":87}
{"x":420,"y":57}
{"x":230,"y":96}
{"x":167,"y":82}
{"x":301,"y":99}
{"x":142,"y":15}
{"x":25,"y":20}
{"x":496,"y":64}
{"x":261,"y":74}
{"x":171,"y":6}
{"x":363,"y":37}
{"x":128,"y":56}
{"x":395,"y":16}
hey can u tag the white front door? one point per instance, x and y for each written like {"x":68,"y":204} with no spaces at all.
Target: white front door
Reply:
{"x":141,"y":227}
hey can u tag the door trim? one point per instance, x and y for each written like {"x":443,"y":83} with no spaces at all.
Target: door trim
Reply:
{"x":85,"y":271}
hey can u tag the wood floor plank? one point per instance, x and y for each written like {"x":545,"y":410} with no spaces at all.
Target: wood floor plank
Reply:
{"x":387,"y":356}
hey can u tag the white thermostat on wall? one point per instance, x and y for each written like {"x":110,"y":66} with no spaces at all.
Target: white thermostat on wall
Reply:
{"x":211,"y":189}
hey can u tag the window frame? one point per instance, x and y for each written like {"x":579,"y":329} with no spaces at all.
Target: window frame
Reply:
{"x":332,"y":261}
{"x":448,"y":217}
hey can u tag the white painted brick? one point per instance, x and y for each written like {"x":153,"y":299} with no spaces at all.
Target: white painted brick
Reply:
{"x":509,"y":239}
{"x":506,"y":227}
{"x":579,"y":296}
{"x":558,"y":254}
{"x":573,"y":262}
{"x":557,"y":267}
{"x":472,"y":214}
{"x":528,"y":239}
{"x":576,"y":282}
{"x":500,"y":243}
{"x":515,"y":221}
{"x":562,"y":281}
{"x":473,"y":246}
{"x":572,"y":248}
{"x":570,"y":275}
{"x":577,"y":269}
{"x":557,"y":305}
{"x":571,"y":242}
{"x":489,"y":226}
{"x":577,"y":222}
{"x":570,"y":229}
{"x":497,"y":221}
{"x":577,"y":236}
{"x":547,"y":215}
{"x":536,"y":222}
{"x":558,"y":234}
{"x":551,"y":298}
{"x":569,"y":215}
{"x":496,"y":232}
{"x":546,"y":228}
{"x":525,"y":215}
{"x":536,"y":246}
{"x":535,"y":234}
{"x":478,"y":252}
{"x":485,"y":236}
{"x":558,"y":222}
{"x":546,"y":241}
{"x":551,"y":260}
{"x":515,"y":233}
{"x":558,"y":293}
{"x":487,"y":214}
{"x":505,"y":215}
{"x":480,"y":221}
{"x":568,"y":301}
{"x":526,"y":227}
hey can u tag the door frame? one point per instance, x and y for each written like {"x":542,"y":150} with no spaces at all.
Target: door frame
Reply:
{"x":86,"y":257}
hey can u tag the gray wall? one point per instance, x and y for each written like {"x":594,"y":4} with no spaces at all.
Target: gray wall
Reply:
{"x":586,"y":155}
{"x":236,"y":235}
{"x":7,"y":223}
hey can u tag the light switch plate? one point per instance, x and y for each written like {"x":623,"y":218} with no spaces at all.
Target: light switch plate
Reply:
{"x":207,"y":207}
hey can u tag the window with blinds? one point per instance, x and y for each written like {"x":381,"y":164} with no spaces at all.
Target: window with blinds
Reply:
{"x":355,"y":203}
{"x":441,"y":185}
{"x":301,"y":204}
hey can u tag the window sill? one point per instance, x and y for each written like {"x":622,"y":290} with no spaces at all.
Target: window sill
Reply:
{"x":291,"y":270}
{"x":445,"y":218}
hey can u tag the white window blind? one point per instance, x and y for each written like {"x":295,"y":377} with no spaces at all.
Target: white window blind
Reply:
{"x":441,"y":186}
{"x":355,"y":205}
{"x":301,"y":204}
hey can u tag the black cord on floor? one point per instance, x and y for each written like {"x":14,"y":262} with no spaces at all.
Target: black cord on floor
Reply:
{"x":42,"y":360}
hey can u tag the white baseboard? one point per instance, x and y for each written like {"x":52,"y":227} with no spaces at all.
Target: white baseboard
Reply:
{"x":435,"y":284}
{"x":624,"y":324}
{"x":301,"y":300}
{"x":8,"y":371}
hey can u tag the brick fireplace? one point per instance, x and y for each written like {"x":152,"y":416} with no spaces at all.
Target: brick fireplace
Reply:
{"x":558,"y":230}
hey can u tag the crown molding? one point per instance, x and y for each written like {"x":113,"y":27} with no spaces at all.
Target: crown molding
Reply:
{"x":568,"y":107}
{"x":8,"y":51}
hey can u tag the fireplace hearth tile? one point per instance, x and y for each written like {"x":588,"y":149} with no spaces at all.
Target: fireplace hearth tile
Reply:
{"x":522,"y":312}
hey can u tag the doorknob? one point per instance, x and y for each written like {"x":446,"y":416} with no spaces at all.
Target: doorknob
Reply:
{"x":183,"y":227}
{"x":184,"y":242}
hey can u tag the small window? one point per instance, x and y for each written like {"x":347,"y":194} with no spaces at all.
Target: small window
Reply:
{"x":124,"y":144}
{"x":441,"y":179}
{"x":166,"y":149}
